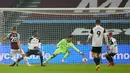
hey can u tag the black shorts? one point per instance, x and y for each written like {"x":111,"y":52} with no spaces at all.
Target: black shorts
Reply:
{"x":33,"y":52}
{"x":96,"y":49}
{"x":112,"y":54}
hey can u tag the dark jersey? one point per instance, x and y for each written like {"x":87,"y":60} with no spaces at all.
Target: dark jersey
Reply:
{"x":13,"y":37}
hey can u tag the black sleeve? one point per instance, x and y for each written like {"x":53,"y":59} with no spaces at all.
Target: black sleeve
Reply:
{"x":91,"y":31}
{"x":29,"y":41}
{"x":39,"y":40}
{"x":104,"y":31}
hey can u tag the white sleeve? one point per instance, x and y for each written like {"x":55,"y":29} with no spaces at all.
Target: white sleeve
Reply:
{"x":105,"y":37}
{"x":39,"y":46}
{"x":114,"y":42}
{"x":90,"y":35}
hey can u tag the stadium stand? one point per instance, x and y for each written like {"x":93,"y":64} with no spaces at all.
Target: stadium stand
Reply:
{"x":30,"y":4}
{"x":10,"y":3}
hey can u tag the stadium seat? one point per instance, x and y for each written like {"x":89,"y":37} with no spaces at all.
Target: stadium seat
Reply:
{"x":58,"y":3}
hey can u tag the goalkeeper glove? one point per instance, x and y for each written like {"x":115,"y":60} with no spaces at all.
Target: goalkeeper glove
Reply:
{"x":81,"y":53}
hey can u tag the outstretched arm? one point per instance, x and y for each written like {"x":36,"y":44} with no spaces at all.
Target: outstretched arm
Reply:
{"x":90,"y":35}
{"x":76,"y":49}
{"x":4,"y":38}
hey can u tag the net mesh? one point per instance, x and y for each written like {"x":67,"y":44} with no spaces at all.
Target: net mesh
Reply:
{"x":54,"y":25}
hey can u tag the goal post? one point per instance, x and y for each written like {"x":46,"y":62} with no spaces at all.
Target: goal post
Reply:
{"x":54,"y":24}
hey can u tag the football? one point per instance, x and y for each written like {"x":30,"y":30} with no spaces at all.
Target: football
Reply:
{"x":84,"y":60}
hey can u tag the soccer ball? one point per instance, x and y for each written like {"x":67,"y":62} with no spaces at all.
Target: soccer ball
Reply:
{"x":84,"y":60}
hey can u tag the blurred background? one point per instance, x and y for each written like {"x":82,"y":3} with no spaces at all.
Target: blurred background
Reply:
{"x":54,"y":25}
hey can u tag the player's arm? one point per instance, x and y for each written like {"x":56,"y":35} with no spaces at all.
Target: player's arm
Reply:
{"x":4,"y":38}
{"x":90,"y":35}
{"x":63,"y":40}
{"x":114,"y":42}
{"x":29,"y":43}
{"x":19,"y":44}
{"x":76,"y":49}
{"x":106,"y":38}
{"x":39,"y":44}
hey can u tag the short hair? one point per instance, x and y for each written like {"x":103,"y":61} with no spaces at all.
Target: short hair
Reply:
{"x":97,"y":21}
{"x":14,"y":29}
{"x":35,"y":31}
{"x":70,"y":36}
{"x":110,"y":33}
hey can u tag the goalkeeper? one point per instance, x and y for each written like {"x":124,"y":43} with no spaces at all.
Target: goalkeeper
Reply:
{"x":62,"y":48}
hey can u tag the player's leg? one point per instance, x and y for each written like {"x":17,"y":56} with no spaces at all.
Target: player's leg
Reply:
{"x":94,"y":55}
{"x":98,"y":61}
{"x":108,"y":58}
{"x":37,"y":52}
{"x":51,"y":57}
{"x":48,"y":59}
{"x":66,"y":55}
{"x":111,"y":55}
{"x":27,"y":55}
{"x":12,"y":56}
{"x":24,"y":56}
{"x":98,"y":57}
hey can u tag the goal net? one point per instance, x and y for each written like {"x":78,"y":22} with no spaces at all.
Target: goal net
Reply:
{"x":55,"y":24}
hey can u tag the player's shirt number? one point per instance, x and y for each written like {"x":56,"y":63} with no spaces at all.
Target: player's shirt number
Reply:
{"x":98,"y":33}
{"x":13,"y":39}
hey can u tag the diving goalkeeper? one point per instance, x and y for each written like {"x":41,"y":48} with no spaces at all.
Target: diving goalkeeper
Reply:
{"x":62,"y":48}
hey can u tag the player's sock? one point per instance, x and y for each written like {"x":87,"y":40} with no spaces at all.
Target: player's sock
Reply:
{"x":13,"y":58}
{"x":96,"y":61}
{"x":48,"y":59}
{"x":27,"y":63}
{"x":25,"y":59}
{"x":41,"y":59}
{"x":111,"y":59}
{"x":19,"y":59}
{"x":108,"y":58}
{"x":13,"y":64}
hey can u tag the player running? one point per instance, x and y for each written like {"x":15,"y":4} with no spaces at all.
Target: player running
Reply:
{"x":112,"y":50}
{"x":34,"y":45}
{"x":14,"y":38}
{"x":62,"y":48}
{"x":97,"y":34}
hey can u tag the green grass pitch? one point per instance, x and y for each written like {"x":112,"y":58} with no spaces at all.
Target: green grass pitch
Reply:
{"x":65,"y":68}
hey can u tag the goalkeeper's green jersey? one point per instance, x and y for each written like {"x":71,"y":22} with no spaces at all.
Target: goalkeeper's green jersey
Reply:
{"x":63,"y":45}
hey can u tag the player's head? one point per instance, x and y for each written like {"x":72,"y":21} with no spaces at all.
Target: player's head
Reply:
{"x":97,"y":22}
{"x":35,"y":33}
{"x":69,"y":39}
{"x":14,"y":29}
{"x":110,"y":35}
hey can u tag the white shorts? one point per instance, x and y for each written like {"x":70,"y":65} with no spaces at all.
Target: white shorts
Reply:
{"x":14,"y":52}
{"x":113,"y":49}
